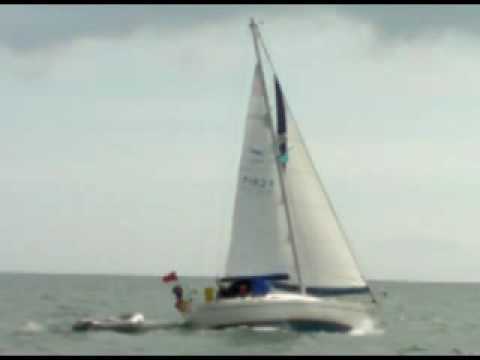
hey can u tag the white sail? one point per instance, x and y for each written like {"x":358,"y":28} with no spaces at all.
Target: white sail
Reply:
{"x":259,"y":242}
{"x":324,"y":256}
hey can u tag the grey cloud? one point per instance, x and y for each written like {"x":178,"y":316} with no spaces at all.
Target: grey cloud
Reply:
{"x":409,"y":21}
{"x":33,"y":27}
{"x":30,"y":27}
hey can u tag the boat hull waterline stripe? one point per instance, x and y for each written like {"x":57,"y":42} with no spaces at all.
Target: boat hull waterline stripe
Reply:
{"x":324,"y":291}
{"x":298,"y":325}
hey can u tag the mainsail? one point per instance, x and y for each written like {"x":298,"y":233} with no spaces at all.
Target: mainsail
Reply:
{"x":259,"y":243}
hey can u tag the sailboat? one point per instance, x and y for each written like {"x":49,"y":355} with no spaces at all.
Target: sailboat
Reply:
{"x":289,"y":261}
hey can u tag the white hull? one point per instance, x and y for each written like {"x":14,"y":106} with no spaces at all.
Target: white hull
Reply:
{"x":280,"y":308}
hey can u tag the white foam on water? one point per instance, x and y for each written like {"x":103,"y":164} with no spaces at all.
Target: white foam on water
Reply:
{"x":265,"y":328}
{"x":366,"y":327}
{"x":30,"y":327}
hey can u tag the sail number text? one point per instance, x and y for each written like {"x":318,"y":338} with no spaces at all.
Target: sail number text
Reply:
{"x":259,"y":182}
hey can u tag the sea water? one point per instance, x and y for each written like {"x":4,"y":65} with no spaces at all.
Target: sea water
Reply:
{"x":38,"y":311}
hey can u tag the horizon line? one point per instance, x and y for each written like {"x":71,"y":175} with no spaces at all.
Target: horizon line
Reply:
{"x":25,"y":272}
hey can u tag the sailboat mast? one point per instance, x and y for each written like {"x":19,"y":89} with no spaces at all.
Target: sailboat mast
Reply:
{"x":255,"y":33}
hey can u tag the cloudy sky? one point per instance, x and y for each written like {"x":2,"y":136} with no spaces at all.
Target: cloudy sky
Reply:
{"x":121,"y":128}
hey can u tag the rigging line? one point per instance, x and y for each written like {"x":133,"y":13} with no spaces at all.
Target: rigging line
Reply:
{"x":267,"y":54}
{"x":289,"y":110}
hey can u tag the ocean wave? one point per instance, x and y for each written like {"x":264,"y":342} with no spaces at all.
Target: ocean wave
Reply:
{"x":367,"y":327}
{"x":30,"y":328}
{"x":411,"y":350}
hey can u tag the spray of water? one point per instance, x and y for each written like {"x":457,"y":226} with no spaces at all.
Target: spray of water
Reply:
{"x":29,"y":328}
{"x":367,"y":326}
{"x":265,"y":328}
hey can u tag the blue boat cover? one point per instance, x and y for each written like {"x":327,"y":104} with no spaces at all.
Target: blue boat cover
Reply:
{"x":259,"y":286}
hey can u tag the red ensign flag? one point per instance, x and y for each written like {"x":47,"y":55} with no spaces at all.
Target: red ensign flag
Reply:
{"x":170,"y":277}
